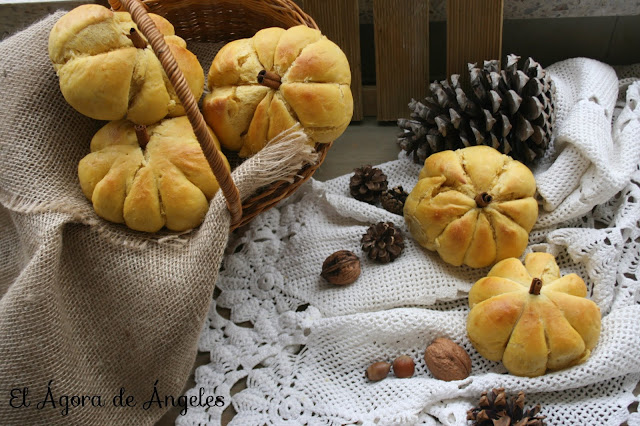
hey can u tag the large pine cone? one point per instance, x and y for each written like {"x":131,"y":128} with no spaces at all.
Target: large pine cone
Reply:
{"x":510,"y":110}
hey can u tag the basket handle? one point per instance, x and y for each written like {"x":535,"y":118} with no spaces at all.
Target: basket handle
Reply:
{"x":156,"y":39}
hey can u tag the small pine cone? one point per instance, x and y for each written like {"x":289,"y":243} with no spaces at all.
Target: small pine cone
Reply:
{"x":495,"y":408}
{"x":383,"y":242}
{"x":367,"y":183}
{"x":393,"y":200}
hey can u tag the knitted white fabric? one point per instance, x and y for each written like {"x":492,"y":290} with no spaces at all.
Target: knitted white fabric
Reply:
{"x":302,"y":345}
{"x":584,"y":166}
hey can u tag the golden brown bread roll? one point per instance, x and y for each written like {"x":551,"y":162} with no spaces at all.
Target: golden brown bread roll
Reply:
{"x":167,"y":183}
{"x":103,"y":76}
{"x":474,"y":206}
{"x":532,"y":329}
{"x":308,"y":82}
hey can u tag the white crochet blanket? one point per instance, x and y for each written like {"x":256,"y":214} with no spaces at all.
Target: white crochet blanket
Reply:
{"x":302,"y":346}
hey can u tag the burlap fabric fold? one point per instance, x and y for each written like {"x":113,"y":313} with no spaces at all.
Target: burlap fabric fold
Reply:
{"x":98,"y":324}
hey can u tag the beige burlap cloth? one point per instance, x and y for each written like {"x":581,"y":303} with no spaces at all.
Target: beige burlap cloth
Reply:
{"x":99,"y":324}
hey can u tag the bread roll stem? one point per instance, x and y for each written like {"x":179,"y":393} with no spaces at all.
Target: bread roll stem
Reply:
{"x":269,"y":79}
{"x":483,"y":200}
{"x":137,"y":39}
{"x":536,"y":285}
{"x":142,"y":135}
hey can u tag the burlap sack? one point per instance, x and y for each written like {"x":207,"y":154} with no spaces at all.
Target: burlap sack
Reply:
{"x":99,"y":324}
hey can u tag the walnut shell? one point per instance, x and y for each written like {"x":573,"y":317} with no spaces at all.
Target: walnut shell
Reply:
{"x":341,"y":268}
{"x":447,"y":361}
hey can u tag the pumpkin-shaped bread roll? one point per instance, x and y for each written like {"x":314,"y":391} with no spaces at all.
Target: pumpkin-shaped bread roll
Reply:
{"x":531,"y":318}
{"x":102,"y":73}
{"x":263,"y":85}
{"x":473,"y":206}
{"x":148,"y":177}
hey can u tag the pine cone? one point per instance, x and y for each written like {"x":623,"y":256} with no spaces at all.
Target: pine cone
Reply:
{"x":383,"y":242}
{"x":367,"y":183}
{"x":495,"y":408}
{"x":510,"y":110}
{"x":393,"y":200}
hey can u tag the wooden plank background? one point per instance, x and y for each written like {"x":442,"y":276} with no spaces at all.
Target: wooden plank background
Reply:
{"x":402,"y":55}
{"x":339,"y":20}
{"x":474,"y":34}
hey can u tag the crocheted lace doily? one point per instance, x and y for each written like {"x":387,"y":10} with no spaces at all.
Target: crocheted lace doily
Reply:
{"x":300,"y":345}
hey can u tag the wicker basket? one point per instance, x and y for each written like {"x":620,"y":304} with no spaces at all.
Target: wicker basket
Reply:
{"x":219,"y":21}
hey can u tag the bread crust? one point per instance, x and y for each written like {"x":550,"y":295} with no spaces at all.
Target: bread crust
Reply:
{"x":315,"y":89}
{"x":167,"y":184}
{"x":532,"y":333}
{"x":443,"y":213}
{"x":103,"y":76}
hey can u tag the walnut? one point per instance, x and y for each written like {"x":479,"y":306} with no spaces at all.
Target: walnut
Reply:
{"x":341,"y":268}
{"x":447,"y":361}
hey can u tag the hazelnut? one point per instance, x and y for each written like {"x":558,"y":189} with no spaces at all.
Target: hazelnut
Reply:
{"x":447,"y":361}
{"x":378,"y":371}
{"x":341,"y":268}
{"x":403,"y":366}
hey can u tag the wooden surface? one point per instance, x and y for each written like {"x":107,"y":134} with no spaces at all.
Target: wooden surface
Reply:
{"x":402,"y":55}
{"x":367,"y":142}
{"x":339,"y":21}
{"x":474,"y":34}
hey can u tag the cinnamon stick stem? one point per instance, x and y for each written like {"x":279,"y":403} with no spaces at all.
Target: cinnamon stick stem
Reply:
{"x":137,"y":39}
{"x":142,"y":135}
{"x":536,"y":285}
{"x":269,"y":79}
{"x":483,"y":200}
